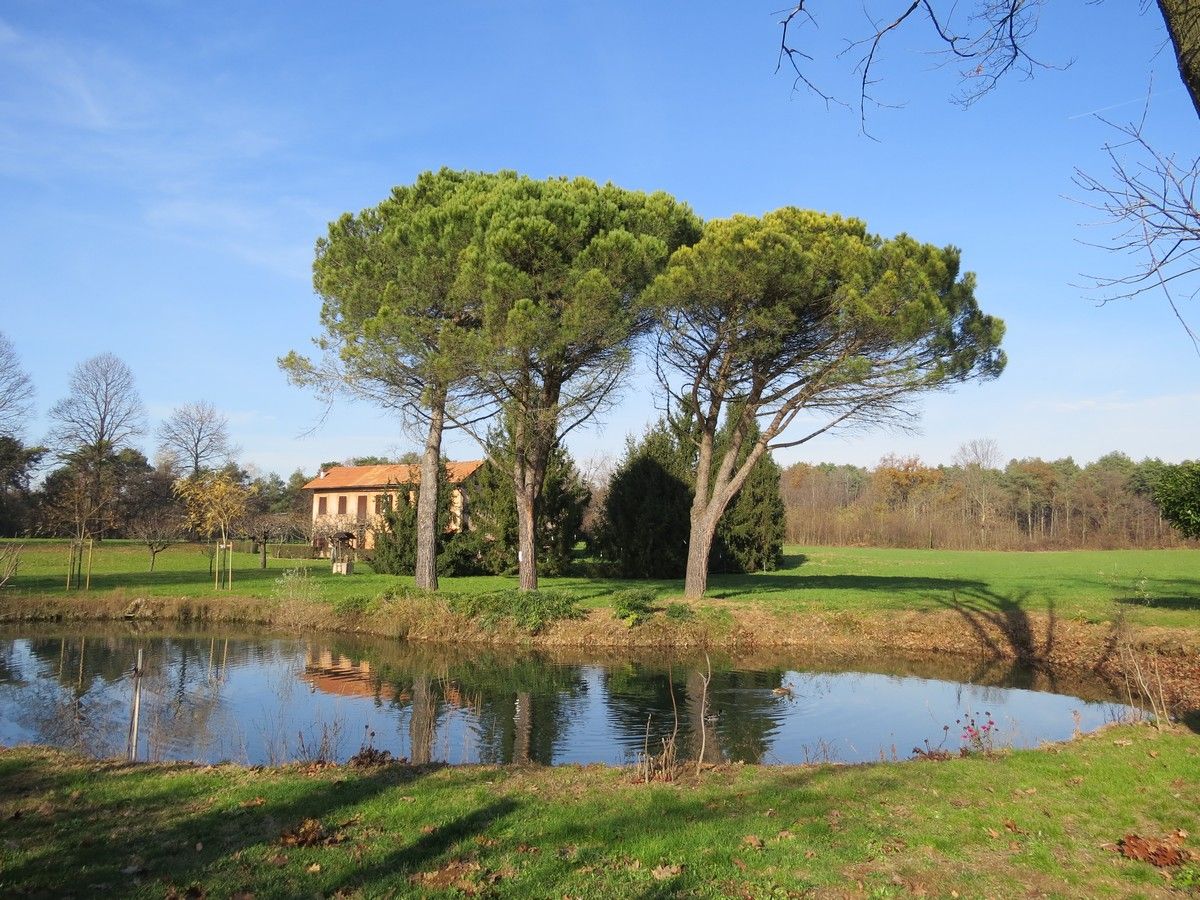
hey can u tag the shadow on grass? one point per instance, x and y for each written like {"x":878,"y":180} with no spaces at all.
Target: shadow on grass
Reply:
{"x":1005,"y":631}
{"x":159,"y":839}
{"x":1166,"y":593}
{"x":776,"y":582}
{"x":409,"y":859}
{"x":54,"y":584}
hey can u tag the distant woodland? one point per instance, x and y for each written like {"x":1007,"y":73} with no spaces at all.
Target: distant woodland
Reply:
{"x":979,"y":503}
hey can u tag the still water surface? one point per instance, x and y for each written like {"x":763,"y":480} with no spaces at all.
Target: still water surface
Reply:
{"x":269,"y":698}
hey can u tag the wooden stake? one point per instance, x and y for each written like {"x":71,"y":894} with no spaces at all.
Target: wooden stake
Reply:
{"x":88,"y":587}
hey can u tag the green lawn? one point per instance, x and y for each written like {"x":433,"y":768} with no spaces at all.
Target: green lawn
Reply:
{"x":1028,"y":823}
{"x":1153,"y":587}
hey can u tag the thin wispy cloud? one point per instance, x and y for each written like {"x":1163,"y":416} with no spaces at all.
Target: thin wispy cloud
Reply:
{"x":1104,"y":109}
{"x":189,"y":160}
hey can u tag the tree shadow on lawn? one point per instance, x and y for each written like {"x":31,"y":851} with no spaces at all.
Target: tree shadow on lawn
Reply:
{"x":54,"y":584}
{"x":1166,"y":593}
{"x":135,"y":843}
{"x":1006,"y":633}
{"x":786,"y":579}
{"x":729,"y":586}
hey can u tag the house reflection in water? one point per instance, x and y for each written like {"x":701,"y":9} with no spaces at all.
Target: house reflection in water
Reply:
{"x":341,"y":676}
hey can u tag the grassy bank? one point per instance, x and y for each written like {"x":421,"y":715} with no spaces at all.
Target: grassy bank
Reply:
{"x":1048,"y":611}
{"x":1017,"y":824}
{"x":1150,"y":587}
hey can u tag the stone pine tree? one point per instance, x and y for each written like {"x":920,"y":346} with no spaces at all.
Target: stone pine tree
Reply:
{"x":401,"y":324}
{"x":561,"y":268}
{"x":800,"y":318}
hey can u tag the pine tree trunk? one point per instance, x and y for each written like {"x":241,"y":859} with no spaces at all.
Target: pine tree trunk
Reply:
{"x":427,"y":498}
{"x":422,"y":721}
{"x":700,"y":540}
{"x":526,"y":501}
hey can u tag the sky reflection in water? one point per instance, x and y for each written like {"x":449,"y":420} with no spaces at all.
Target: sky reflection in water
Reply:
{"x":262,"y":698}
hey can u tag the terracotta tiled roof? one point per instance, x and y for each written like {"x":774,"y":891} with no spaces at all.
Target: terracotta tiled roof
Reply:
{"x":363,"y":477}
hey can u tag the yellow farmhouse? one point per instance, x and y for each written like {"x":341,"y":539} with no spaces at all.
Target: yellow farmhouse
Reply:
{"x":351,"y":498}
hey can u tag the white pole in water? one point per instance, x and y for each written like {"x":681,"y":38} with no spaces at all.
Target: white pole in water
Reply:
{"x":137,"y":707}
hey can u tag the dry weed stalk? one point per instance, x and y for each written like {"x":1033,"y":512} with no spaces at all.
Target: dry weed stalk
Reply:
{"x":661,"y":766}
{"x":1146,"y":684}
{"x":10,"y":558}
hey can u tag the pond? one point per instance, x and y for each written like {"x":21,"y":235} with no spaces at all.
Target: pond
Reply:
{"x":262,"y":698}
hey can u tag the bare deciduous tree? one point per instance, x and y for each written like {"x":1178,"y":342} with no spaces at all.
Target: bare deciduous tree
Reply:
{"x":98,"y":418}
{"x":197,"y":436}
{"x":272,"y":527}
{"x":987,"y":40}
{"x":15,"y":389}
{"x":10,"y":559}
{"x":158,"y":529}
{"x":978,"y":457}
{"x":101,"y":413}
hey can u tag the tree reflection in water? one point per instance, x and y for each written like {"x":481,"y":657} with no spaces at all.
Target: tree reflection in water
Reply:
{"x":272,"y":698}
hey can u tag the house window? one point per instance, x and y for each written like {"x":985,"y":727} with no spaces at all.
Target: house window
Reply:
{"x":362,"y":508}
{"x":341,"y":506}
{"x":322,"y":506}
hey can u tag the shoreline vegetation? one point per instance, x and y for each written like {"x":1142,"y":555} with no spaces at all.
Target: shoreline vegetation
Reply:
{"x":1083,"y":612}
{"x":1039,"y":642}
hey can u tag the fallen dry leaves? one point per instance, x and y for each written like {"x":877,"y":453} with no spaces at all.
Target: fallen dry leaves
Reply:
{"x":310,"y":833}
{"x":663,"y":872}
{"x":1162,"y":852}
{"x":457,"y":873}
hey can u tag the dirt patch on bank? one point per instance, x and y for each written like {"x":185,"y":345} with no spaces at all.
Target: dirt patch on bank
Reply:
{"x":1169,"y":659}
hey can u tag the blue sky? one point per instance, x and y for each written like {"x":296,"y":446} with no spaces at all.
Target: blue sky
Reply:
{"x":166,"y":167}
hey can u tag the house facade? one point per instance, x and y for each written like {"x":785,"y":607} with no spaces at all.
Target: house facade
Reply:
{"x":352,"y":498}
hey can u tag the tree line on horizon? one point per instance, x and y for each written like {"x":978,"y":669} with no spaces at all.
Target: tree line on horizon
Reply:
{"x":978,"y":502}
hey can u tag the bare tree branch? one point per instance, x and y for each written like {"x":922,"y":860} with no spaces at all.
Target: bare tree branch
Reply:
{"x":989,"y":40}
{"x":1149,"y":196}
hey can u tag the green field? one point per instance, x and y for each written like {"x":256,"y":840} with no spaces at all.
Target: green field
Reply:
{"x":1151,"y":587}
{"x":1026,"y":823}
